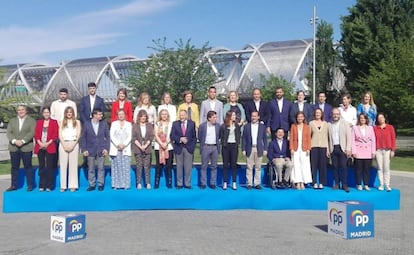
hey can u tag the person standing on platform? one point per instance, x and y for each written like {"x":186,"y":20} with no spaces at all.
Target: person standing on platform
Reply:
{"x":183,"y":137}
{"x":144,"y":103}
{"x":58,"y":107}
{"x":279,"y":109}
{"x":120,"y":152}
{"x":211,"y":104}
{"x":209,"y":137}
{"x":300,"y":146}
{"x":234,"y":106}
{"x":168,"y":105}
{"x":254,"y":147}
{"x":142,"y":137}
{"x":122,"y":103}
{"x":301,"y":106}
{"x":95,"y":143}
{"x":348,"y":112}
{"x":163,"y":148}
{"x":363,"y":150}
{"x":385,"y":145}
{"x":339,"y":149}
{"x":190,"y":107}
{"x":45,"y":136}
{"x":20,"y":132}
{"x":90,"y":102}
{"x":368,"y":107}
{"x":325,"y":107}
{"x":256,"y":104}
{"x":69,"y":135}
{"x":319,"y":153}
{"x":279,"y":154}
{"x":230,"y":135}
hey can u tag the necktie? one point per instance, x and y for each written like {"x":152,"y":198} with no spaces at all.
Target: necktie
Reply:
{"x":183,"y":128}
{"x":189,"y":113}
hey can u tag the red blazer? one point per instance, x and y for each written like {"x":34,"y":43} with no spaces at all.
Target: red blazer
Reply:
{"x":127,"y":109}
{"x":306,"y":137}
{"x":52,"y":134}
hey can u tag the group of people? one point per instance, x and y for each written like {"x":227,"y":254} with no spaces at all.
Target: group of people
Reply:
{"x":303,"y":138}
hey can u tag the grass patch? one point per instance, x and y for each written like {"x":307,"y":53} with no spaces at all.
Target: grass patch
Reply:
{"x":405,"y":132}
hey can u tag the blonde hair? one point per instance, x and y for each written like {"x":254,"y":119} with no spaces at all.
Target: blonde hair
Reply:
{"x":230,"y":92}
{"x":141,"y":98}
{"x":65,"y":119}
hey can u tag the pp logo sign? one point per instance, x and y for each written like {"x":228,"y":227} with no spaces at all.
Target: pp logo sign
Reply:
{"x":358,"y":218}
{"x":57,"y":226}
{"x":75,"y":226}
{"x":335,"y":216}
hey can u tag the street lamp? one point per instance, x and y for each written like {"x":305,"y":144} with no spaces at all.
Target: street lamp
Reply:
{"x":314,"y":21}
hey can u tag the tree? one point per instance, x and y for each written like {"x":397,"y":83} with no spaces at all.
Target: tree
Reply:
{"x":173,"y":70}
{"x":377,"y":53}
{"x":269,"y":85}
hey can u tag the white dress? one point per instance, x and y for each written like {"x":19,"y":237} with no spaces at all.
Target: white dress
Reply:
{"x":301,"y":164}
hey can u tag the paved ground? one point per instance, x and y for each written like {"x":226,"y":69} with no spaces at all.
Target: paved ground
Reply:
{"x":212,"y":232}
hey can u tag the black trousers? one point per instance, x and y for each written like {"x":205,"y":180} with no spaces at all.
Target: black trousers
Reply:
{"x":15,"y":158}
{"x":229,"y":154}
{"x":167,"y":168}
{"x":339,"y":159}
{"x":362,"y":167}
{"x":319,"y":162}
{"x":46,"y":166}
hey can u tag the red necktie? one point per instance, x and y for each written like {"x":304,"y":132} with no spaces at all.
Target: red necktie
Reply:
{"x":183,"y":128}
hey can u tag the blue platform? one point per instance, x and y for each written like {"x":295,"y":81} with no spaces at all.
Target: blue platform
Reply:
{"x":208,"y":199}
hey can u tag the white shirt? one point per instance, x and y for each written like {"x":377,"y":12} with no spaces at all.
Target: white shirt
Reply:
{"x":280,"y":104}
{"x":335,"y":133}
{"x":69,"y":133}
{"x":257,"y":103}
{"x":152,"y":114}
{"x":349,"y":114}
{"x":280,"y":143}
{"x":300,"y":106}
{"x":172,"y":111}
{"x":212,"y":105}
{"x":255,"y":131}
{"x":211,"y":134}
{"x":21,"y":122}
{"x":57,"y":109}
{"x":92,"y":101}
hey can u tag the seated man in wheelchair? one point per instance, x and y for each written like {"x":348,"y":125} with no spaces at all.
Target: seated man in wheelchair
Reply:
{"x":278,"y":154}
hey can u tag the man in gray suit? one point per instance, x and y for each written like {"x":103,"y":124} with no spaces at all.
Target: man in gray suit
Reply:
{"x":212,"y":104}
{"x":20,"y":132}
{"x":339,"y":148}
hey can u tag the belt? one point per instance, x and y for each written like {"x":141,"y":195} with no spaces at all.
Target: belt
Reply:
{"x":254,"y":146}
{"x":210,"y":144}
{"x":69,"y":140}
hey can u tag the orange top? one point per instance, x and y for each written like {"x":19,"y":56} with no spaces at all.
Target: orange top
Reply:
{"x":306,"y":137}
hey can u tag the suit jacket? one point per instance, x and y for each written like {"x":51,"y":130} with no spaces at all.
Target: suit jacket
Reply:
{"x":205,"y":108}
{"x":26,"y":133}
{"x":95,"y":143}
{"x":344,"y":136}
{"x":137,"y":136}
{"x":127,"y":108}
{"x":327,"y":111}
{"x":247,"y":139}
{"x":176,"y":134}
{"x":363,"y":146}
{"x":307,"y":110}
{"x":276,"y":118}
{"x":274,"y":150}
{"x":250,"y":107}
{"x":52,"y":134}
{"x":202,"y":134}
{"x":294,"y":137}
{"x":225,"y":132}
{"x":85,"y":107}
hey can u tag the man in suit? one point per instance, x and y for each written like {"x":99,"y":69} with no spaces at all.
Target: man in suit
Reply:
{"x":257,"y":105}
{"x":183,"y":137}
{"x":325,"y":107}
{"x":279,"y":154}
{"x":209,"y":136}
{"x":90,"y":102}
{"x":211,"y":104}
{"x":95,"y":144}
{"x":339,"y":148}
{"x":20,"y":132}
{"x":254,"y":147}
{"x":57,"y":108}
{"x":278,"y":114}
{"x":301,"y":106}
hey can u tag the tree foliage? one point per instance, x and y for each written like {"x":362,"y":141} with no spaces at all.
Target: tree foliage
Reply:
{"x":173,"y":70}
{"x":376,"y":39}
{"x":271,"y":83}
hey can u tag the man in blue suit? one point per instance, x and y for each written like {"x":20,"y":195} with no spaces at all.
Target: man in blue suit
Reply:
{"x":279,"y":154}
{"x":183,"y":137}
{"x":95,"y":144}
{"x":258,"y":105}
{"x":254,"y":147}
{"x":325,"y":107}
{"x":301,"y":106}
{"x":209,"y":136}
{"x":90,"y":102}
{"x":279,"y":109}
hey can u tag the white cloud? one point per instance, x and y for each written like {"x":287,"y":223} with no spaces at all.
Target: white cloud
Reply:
{"x":83,"y":31}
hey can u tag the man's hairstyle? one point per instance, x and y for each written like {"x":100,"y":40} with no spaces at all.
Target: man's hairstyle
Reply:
{"x":91,"y":84}
{"x":63,"y":90}
{"x":210,"y":114}
{"x":96,"y":111}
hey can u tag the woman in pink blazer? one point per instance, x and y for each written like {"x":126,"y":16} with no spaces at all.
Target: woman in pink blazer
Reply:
{"x":363,"y":149}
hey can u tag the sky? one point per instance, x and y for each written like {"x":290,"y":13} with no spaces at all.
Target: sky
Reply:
{"x":51,"y":31}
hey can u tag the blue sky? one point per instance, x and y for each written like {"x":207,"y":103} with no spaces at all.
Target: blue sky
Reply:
{"x":49,"y":31}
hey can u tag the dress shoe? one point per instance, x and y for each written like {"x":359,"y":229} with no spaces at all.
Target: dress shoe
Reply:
{"x":48,"y":190}
{"x":249,"y":187}
{"x":225,"y":185}
{"x":212,"y":186}
{"x":41,"y":189}
{"x":11,"y":188}
{"x":100,"y":188}
{"x":359,"y":187}
{"x":188,"y":187}
{"x":335,"y":187}
{"x":320,"y":186}
{"x":258,"y":187}
{"x":90,"y":188}
{"x":202,"y":186}
{"x":345,"y":188}
{"x":315,"y":186}
{"x":366,"y":188}
{"x":387,"y":188}
{"x":179,"y":187}
{"x":234,"y":186}
{"x":29,"y":188}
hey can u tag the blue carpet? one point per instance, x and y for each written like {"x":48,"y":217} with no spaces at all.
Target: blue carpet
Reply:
{"x":208,"y":199}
